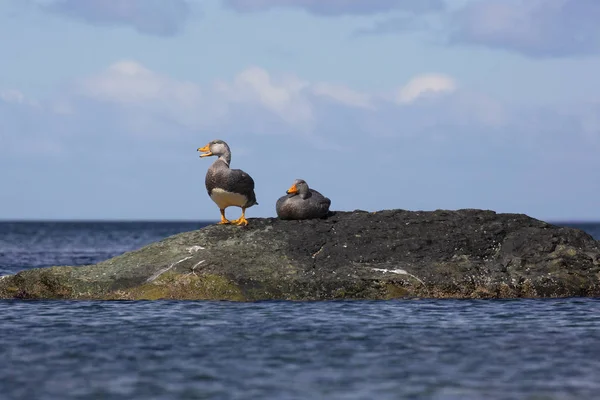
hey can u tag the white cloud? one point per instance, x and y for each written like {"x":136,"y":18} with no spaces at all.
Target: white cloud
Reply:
{"x":129,"y":82}
{"x":16,"y":97}
{"x":144,"y":92}
{"x":280,"y":97}
{"x":133,"y":101}
{"x":12,"y":96}
{"x":128,"y":97}
{"x":284,"y":97}
{"x":423,"y":85}
{"x":256,"y":101}
{"x":343,"y":94}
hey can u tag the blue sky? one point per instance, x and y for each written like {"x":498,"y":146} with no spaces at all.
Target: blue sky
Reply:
{"x":378,"y":104}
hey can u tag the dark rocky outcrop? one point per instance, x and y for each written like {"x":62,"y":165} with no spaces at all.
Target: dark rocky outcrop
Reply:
{"x":350,"y":255}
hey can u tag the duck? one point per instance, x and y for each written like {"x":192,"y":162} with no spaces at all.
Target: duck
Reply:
{"x":227,"y":187}
{"x":302,"y":202}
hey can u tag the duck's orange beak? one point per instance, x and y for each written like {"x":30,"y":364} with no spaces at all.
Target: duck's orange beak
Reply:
{"x":206,"y":150}
{"x":292,"y":190}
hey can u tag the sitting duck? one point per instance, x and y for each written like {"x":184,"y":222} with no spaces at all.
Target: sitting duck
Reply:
{"x":302,"y":202}
{"x":227,"y":187}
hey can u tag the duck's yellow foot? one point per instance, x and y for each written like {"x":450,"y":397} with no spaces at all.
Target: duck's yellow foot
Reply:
{"x":223,"y":219}
{"x":240,"y":221}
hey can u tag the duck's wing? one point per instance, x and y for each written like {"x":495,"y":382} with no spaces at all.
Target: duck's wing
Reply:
{"x":241,"y":179}
{"x":284,"y":207}
{"x":320,"y":202}
{"x":318,"y":197}
{"x":240,"y":182}
{"x":281,"y":201}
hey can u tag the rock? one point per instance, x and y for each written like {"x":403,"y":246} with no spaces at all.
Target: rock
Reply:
{"x":350,"y":255}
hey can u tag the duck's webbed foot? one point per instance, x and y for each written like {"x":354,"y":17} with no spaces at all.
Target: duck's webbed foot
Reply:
{"x":223,"y":219}
{"x":241,"y":220}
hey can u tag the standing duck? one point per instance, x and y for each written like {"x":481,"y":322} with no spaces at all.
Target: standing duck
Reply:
{"x":227,"y":187}
{"x":301,"y":202}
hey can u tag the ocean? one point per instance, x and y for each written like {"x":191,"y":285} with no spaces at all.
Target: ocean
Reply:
{"x":400,"y":349}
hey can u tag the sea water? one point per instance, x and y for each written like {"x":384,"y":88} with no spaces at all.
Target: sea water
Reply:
{"x":401,"y":349}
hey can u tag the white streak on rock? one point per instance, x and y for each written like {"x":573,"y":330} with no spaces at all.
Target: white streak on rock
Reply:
{"x":399,"y":272}
{"x":194,"y":267}
{"x":194,"y":249}
{"x":162,"y":271}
